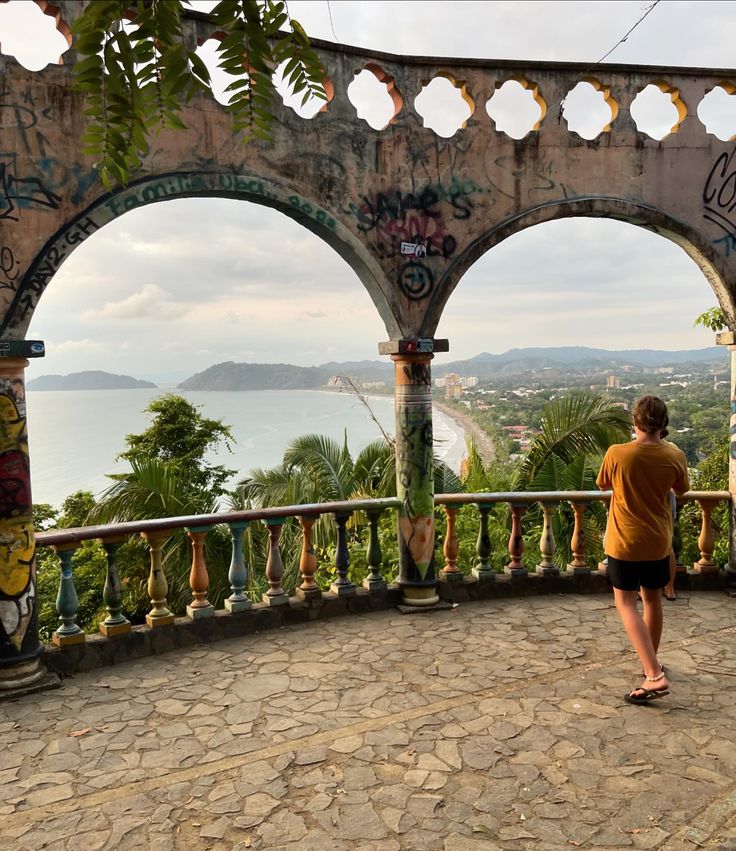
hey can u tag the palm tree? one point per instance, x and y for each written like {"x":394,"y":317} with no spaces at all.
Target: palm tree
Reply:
{"x":152,"y":489}
{"x":315,"y":468}
{"x":581,"y":424}
{"x":576,"y":431}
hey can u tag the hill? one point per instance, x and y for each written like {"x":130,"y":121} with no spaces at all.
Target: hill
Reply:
{"x":89,"y":380}
{"x":257,"y":376}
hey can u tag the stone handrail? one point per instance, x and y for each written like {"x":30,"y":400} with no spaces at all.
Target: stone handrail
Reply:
{"x":155,"y":532}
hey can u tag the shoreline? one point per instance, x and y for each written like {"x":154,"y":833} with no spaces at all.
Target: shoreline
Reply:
{"x":483,"y":441}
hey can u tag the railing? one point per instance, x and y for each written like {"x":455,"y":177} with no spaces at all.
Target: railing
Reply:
{"x":155,"y":532}
{"x":549,"y":502}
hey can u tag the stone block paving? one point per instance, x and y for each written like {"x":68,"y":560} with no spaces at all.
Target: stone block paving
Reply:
{"x":496,"y":725}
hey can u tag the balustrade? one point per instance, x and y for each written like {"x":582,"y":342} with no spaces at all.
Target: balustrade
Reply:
{"x":238,"y":573}
{"x":115,"y":623}
{"x":67,"y":602}
{"x":275,"y":596}
{"x":65,"y":542}
{"x":374,"y":581}
{"x":343,"y":587}
{"x":199,"y":580}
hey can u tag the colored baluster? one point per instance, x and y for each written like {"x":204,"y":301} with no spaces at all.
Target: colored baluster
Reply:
{"x":275,"y":596}
{"x":115,"y":623}
{"x":706,"y":564}
{"x":238,"y":573}
{"x":67,"y":602}
{"x":450,"y":571}
{"x":343,"y":587}
{"x":308,"y":561}
{"x":374,"y":581}
{"x":516,"y":544}
{"x":547,"y":546}
{"x":603,"y":564}
{"x":579,"y":565}
{"x":483,"y":570}
{"x":199,"y":579}
{"x":677,"y":543}
{"x":158,"y":587}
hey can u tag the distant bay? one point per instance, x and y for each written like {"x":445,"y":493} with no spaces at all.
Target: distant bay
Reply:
{"x":75,"y":435}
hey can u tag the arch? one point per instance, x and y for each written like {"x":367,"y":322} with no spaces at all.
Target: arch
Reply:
{"x":188,"y":184}
{"x":621,"y":209}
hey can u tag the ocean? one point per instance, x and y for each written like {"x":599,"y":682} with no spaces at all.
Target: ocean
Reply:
{"x":75,"y":435}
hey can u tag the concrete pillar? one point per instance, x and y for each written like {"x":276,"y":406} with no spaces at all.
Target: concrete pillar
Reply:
{"x":414,"y":467}
{"x":21,"y":669}
{"x":728,"y":338}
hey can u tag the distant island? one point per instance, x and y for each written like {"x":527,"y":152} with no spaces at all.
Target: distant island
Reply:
{"x":516,"y":362}
{"x":89,"y":380}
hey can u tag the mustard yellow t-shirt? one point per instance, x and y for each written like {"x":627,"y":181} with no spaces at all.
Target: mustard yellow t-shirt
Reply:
{"x":639,"y":518}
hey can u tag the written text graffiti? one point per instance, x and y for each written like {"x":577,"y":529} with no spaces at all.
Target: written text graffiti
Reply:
{"x":16,"y":193}
{"x":719,"y":198}
{"x":178,"y":185}
{"x":182,"y":185}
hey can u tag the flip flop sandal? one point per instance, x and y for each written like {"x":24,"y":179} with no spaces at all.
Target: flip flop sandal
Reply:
{"x":645,"y":696}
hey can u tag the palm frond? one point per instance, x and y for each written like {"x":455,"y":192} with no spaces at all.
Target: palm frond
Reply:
{"x":579,"y":424}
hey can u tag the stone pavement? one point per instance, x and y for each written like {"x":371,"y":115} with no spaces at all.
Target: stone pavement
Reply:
{"x":496,"y":725}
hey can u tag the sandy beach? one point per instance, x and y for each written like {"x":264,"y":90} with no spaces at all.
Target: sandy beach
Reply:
{"x":470,"y":427}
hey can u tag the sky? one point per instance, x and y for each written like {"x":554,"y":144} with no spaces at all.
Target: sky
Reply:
{"x":170,"y":289}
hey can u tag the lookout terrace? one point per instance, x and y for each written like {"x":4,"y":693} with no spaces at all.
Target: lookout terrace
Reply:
{"x":447,"y":710}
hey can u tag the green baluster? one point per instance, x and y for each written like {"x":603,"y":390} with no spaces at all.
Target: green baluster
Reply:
{"x":67,"y":602}
{"x":115,"y":623}
{"x":547,"y":547}
{"x":343,"y":587}
{"x":238,"y":573}
{"x":483,"y":569}
{"x":374,"y":581}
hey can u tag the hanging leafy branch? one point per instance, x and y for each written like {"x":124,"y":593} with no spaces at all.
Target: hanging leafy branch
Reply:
{"x":136,"y":72}
{"x":713,"y":318}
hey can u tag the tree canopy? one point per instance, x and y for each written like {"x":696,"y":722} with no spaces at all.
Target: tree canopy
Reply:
{"x":136,"y":71}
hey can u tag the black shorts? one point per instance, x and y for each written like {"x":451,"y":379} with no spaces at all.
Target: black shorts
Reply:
{"x":631,"y":575}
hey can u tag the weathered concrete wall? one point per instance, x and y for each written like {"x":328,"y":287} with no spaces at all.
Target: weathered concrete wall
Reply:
{"x":366,"y":191}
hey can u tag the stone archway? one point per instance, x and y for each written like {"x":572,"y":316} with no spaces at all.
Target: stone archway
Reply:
{"x":690,"y":239}
{"x":168,"y":186}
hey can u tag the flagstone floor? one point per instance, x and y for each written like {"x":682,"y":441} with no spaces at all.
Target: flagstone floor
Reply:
{"x":496,"y":725}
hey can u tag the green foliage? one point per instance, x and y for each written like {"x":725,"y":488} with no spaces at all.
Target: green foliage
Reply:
{"x":578,"y":424}
{"x":135,"y":78}
{"x":710,"y":475}
{"x":713,"y":318}
{"x":89,"y":566}
{"x":181,"y":437}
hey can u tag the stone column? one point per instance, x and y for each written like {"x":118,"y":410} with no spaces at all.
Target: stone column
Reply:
{"x":21,"y":669}
{"x":728,"y":338}
{"x":414,"y":468}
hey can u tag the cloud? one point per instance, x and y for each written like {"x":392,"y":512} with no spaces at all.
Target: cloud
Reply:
{"x":150,"y":303}
{"x":75,"y":346}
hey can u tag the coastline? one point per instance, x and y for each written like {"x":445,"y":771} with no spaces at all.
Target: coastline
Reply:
{"x":483,"y":441}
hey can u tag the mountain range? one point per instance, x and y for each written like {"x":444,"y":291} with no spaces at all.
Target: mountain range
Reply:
{"x":516,"y":362}
{"x":283,"y":376}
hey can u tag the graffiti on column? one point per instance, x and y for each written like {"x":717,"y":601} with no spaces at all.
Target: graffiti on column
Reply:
{"x":17,"y":576}
{"x":415,"y":472}
{"x":719,"y":200}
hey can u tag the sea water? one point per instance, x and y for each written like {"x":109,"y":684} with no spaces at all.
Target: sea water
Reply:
{"x":75,"y":436}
